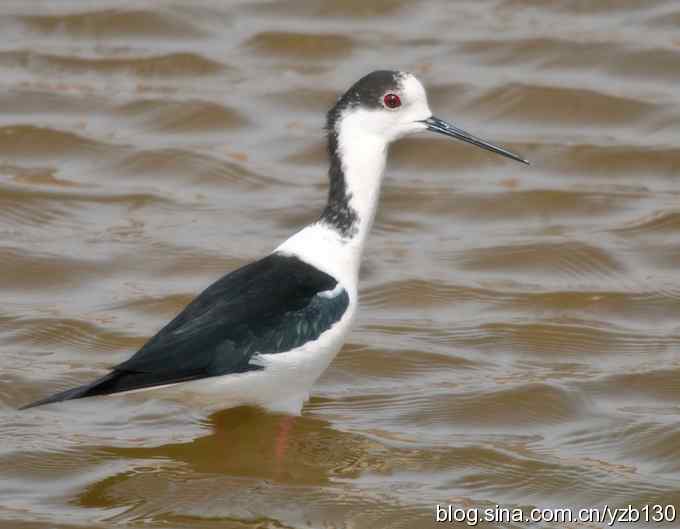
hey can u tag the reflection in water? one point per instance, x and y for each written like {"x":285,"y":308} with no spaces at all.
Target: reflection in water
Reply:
{"x":243,"y":442}
{"x":517,"y":342}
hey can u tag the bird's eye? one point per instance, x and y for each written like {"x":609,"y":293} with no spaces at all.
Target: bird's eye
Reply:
{"x":392,"y":100}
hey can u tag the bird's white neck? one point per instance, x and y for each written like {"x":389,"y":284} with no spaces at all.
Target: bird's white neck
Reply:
{"x":362,"y":157}
{"x":336,"y":242}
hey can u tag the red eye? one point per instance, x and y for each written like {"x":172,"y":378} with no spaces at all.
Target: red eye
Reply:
{"x":392,"y":100}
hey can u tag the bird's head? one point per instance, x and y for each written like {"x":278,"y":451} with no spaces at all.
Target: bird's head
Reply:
{"x":387,"y":105}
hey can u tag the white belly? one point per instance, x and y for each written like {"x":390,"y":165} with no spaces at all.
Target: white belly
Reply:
{"x":284,"y":383}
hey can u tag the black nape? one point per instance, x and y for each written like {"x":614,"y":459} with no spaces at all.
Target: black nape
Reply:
{"x":366,"y":92}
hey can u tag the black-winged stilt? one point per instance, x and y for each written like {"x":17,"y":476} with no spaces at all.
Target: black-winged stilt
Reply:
{"x":263,"y":334}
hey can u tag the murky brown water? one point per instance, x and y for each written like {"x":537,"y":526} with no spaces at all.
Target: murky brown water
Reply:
{"x":519,"y":340}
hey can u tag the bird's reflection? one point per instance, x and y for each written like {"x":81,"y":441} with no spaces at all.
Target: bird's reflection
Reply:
{"x":250,"y":442}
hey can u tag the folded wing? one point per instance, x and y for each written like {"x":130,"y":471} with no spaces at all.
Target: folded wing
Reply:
{"x":270,"y":306}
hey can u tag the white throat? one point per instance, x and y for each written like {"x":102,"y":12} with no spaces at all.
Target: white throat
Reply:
{"x":362,"y":156}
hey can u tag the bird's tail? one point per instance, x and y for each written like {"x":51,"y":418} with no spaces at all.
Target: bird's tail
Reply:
{"x":86,"y":390}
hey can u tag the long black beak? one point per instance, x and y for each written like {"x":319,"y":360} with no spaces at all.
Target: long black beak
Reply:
{"x":442,"y":127}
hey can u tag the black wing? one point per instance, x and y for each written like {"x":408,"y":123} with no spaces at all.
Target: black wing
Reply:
{"x":269,"y":306}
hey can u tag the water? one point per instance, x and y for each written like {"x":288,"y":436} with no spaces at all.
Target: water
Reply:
{"x":518,"y":337}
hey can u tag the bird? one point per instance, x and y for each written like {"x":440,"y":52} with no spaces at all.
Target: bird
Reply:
{"x":264,"y":333}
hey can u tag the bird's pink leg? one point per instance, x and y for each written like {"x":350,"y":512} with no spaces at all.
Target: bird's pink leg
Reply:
{"x":285,"y":426}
